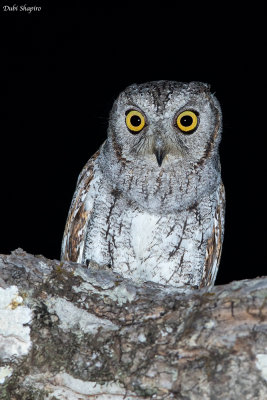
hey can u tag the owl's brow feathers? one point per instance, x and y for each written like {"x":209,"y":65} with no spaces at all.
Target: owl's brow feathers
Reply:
{"x":159,"y":92}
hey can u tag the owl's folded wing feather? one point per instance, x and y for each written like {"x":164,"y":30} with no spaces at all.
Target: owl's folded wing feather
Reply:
{"x":79,"y":213}
{"x":214,"y":246}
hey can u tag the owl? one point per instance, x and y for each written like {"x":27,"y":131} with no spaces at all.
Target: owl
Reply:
{"x":150,"y":202}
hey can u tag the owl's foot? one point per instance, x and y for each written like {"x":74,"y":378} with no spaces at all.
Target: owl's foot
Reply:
{"x":94,"y":265}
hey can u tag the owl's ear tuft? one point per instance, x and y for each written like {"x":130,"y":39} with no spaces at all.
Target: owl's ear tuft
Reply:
{"x":199,"y":86}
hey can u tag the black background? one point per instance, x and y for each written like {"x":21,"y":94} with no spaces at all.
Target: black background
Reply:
{"x":61,"y":70}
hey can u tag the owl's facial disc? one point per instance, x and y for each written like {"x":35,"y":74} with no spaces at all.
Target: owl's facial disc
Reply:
{"x":154,"y":140}
{"x":136,"y":121}
{"x":187,"y":122}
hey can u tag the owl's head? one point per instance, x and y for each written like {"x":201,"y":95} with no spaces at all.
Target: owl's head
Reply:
{"x":166,"y":121}
{"x":162,"y":147}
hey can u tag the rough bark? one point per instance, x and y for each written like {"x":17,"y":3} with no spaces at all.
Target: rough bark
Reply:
{"x":67,"y":332}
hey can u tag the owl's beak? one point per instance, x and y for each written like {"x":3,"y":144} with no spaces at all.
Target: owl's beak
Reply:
{"x":159,"y":148}
{"x":160,"y":154}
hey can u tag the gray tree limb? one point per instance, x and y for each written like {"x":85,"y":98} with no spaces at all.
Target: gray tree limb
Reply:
{"x":67,"y":332}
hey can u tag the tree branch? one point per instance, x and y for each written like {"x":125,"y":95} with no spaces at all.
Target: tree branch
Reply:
{"x":67,"y":332}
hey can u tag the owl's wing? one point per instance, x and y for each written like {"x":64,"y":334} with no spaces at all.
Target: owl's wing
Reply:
{"x":214,"y":246}
{"x":79,"y":213}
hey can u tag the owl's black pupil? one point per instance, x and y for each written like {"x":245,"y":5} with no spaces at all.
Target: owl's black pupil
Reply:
{"x":186,"y":120}
{"x":135,"y":120}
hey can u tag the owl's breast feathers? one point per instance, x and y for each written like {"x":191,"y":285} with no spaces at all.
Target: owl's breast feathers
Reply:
{"x":74,"y":239}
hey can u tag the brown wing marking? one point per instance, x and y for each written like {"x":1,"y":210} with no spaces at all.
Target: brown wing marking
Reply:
{"x":75,"y":228}
{"x":214,"y":245}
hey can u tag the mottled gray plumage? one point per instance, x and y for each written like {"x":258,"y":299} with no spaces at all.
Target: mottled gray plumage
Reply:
{"x":150,"y":203}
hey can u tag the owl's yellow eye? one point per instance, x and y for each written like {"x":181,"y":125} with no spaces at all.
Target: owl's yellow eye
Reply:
{"x":187,"y":121}
{"x":135,"y":121}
